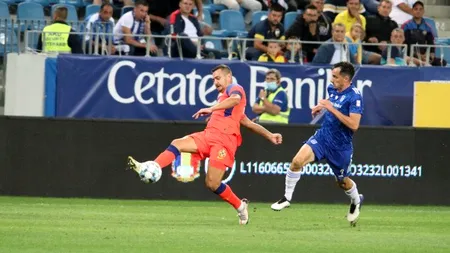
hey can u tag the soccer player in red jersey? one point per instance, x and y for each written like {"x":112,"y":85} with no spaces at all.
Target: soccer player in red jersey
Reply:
{"x":220,"y":139}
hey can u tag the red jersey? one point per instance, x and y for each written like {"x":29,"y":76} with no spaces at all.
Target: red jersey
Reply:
{"x":227,"y":121}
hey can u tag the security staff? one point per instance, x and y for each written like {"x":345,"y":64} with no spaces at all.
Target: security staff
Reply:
{"x":272,"y":103}
{"x":56,"y":38}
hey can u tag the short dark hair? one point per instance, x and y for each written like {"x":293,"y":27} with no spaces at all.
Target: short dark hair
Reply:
{"x":105,"y":5}
{"x":276,"y":7}
{"x":346,"y":69}
{"x":349,"y":0}
{"x":222,"y":67}
{"x":141,"y":2}
{"x":275,"y":72}
{"x":310,"y":7}
{"x":418,"y":3}
{"x":61,"y":12}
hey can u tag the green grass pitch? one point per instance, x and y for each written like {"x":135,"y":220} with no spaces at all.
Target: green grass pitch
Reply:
{"x":93,"y":225}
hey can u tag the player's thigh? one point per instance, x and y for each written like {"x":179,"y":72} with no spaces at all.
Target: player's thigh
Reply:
{"x":185,"y":144}
{"x":310,"y":151}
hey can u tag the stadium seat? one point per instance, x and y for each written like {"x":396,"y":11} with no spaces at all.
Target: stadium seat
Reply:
{"x":289,"y":18}
{"x":259,"y":16}
{"x":44,"y":3}
{"x":76,"y":3}
{"x":213,"y":44}
{"x":30,"y":16}
{"x":8,"y":41}
{"x":232,"y":24}
{"x":443,"y":52}
{"x":206,"y":16}
{"x":4,"y":10}
{"x":208,"y":5}
{"x":72,"y":15}
{"x":92,"y":9}
{"x":126,"y":9}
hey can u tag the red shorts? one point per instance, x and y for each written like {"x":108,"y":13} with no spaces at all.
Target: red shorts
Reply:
{"x":220,"y":148}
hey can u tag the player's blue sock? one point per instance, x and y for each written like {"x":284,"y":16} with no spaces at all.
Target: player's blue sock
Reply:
{"x":353,"y":194}
{"x":292,"y":178}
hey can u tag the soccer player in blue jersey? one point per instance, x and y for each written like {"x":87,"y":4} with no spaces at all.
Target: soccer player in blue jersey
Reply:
{"x":333,"y":141}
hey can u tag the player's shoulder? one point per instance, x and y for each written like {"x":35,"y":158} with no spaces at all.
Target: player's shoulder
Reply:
{"x":355,"y":92}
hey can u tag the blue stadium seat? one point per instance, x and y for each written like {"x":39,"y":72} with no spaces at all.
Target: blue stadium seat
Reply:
{"x":4,"y":11}
{"x":443,"y":52}
{"x":206,"y":16}
{"x":9,"y":2}
{"x":289,"y":18}
{"x":76,"y":3}
{"x":259,"y":16}
{"x":232,"y":24}
{"x":126,"y":9}
{"x":30,"y":16}
{"x":92,"y":9}
{"x":213,"y":44}
{"x":10,"y":42}
{"x":44,"y":3}
{"x":208,"y":5}
{"x":442,"y":41}
{"x":72,"y":15}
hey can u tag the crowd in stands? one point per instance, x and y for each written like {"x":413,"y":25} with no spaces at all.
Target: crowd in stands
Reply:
{"x":323,"y":32}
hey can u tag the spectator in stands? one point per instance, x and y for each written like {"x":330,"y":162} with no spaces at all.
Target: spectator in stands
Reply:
{"x":249,"y":5}
{"x":380,"y":27}
{"x":101,"y":22}
{"x":135,"y":24}
{"x":305,"y":27}
{"x":273,"y":54}
{"x":183,"y":23}
{"x":272,"y":103}
{"x":270,"y":28}
{"x":323,"y":22}
{"x":117,"y":5}
{"x":329,"y":53}
{"x":159,"y":10}
{"x":56,"y":38}
{"x":417,"y":30}
{"x":351,"y":15}
{"x":353,"y":38}
{"x":432,"y":60}
{"x":334,"y":7}
{"x":401,"y":11}
{"x":294,"y":47}
{"x":397,"y":53}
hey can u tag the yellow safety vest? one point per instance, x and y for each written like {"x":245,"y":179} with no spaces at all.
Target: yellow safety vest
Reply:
{"x":281,"y":118}
{"x":55,"y":38}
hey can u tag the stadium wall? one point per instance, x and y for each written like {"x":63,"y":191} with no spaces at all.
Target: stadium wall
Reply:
{"x":86,"y":158}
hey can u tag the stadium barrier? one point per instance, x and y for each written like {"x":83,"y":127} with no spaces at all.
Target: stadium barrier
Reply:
{"x":86,"y":158}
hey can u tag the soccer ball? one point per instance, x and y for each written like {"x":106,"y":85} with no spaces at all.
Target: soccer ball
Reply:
{"x":150,"y":172}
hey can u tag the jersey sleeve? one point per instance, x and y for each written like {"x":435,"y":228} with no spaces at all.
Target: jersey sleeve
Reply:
{"x":235,"y":89}
{"x":356,"y":104}
{"x":281,"y":100}
{"x":127,"y":22}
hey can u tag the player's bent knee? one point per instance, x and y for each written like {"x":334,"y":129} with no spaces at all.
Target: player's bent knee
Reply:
{"x":212,"y":183}
{"x":297,"y":164}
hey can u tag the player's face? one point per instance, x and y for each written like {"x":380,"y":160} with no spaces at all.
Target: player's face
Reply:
{"x":337,"y":79}
{"x":221,"y":79}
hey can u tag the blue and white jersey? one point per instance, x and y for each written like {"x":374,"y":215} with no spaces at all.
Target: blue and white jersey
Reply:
{"x":96,"y":25}
{"x":333,"y":133}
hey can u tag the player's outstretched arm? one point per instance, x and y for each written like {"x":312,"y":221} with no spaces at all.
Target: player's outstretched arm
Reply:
{"x":275,"y":138}
{"x":351,"y":121}
{"x":233,"y":100}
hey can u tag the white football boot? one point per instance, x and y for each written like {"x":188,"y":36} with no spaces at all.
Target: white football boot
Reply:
{"x":354,"y":211}
{"x":280,"y":204}
{"x":134,"y":165}
{"x":243,"y":214}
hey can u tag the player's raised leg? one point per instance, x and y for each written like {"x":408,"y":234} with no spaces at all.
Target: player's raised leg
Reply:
{"x":304,"y":156}
{"x":185,"y":144}
{"x":213,"y":182}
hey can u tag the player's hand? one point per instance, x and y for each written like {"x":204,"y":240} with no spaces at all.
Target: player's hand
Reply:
{"x":316,"y":110}
{"x":276,"y":138}
{"x":202,"y":112}
{"x":325,"y":103}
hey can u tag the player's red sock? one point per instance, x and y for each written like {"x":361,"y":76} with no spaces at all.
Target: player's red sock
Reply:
{"x":167,"y":157}
{"x":225,"y":192}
